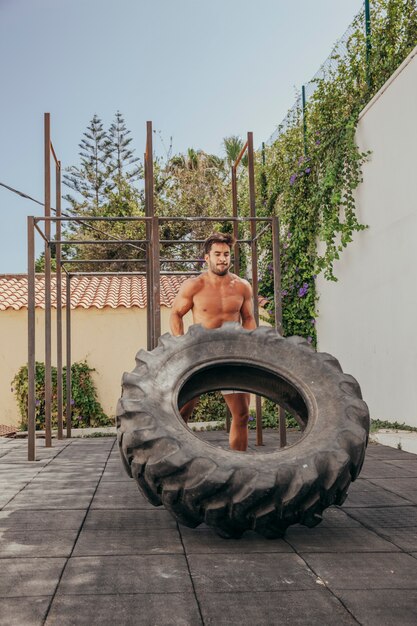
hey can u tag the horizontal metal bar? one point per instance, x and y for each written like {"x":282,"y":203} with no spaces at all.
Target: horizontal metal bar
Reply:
{"x":181,"y":260}
{"x":226,"y":218}
{"x":194,"y":241}
{"x":97,"y":241}
{"x":215,"y":219}
{"x":103,"y":261}
{"x":131,"y":273}
{"x":91,"y":219}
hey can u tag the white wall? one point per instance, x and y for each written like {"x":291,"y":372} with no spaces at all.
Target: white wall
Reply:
{"x":368,"y":319}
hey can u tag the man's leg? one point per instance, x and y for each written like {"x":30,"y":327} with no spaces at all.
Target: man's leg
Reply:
{"x":238,"y":404}
{"x":187,"y":410}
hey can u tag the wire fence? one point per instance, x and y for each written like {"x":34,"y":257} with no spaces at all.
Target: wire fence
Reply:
{"x":326,"y":70}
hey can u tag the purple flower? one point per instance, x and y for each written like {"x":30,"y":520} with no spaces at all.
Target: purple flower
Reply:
{"x":37,"y":402}
{"x":293,"y":179}
{"x":303,"y":290}
{"x":308,"y":170}
{"x":309,"y":339}
{"x":318,"y":142}
{"x":72,"y":401}
{"x":284,"y":292}
{"x":251,"y":418}
{"x":301,"y":160}
{"x":313,"y":321}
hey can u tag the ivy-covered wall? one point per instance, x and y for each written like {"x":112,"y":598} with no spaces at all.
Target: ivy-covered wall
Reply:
{"x":310,"y":174}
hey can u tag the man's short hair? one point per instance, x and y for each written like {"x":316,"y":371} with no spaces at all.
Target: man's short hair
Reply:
{"x":226,"y":238}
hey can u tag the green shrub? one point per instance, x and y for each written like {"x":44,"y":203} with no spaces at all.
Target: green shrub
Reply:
{"x":211,"y":408}
{"x":86,"y":409}
{"x":270,"y":415}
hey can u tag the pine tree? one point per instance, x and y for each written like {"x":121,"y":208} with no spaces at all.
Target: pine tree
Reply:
{"x":123,"y":163}
{"x":91,"y":178}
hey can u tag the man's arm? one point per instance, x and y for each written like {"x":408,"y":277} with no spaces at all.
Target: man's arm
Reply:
{"x":183,"y":303}
{"x":246,"y":311}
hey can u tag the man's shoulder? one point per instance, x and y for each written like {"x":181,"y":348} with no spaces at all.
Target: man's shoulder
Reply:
{"x":241,"y":282}
{"x":192,"y":284}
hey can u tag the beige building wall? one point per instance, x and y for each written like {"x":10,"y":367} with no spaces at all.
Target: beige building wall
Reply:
{"x":368,"y":318}
{"x":108,"y":339}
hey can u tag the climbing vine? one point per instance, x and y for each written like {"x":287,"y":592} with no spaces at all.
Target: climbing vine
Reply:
{"x":309,"y":175}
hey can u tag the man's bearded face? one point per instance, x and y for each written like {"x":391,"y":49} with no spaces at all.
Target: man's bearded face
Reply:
{"x":218,"y":259}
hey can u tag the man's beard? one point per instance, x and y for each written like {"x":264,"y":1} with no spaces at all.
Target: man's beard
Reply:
{"x":221,"y":270}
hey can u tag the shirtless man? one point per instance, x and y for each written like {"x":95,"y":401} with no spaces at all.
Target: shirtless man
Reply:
{"x":217,"y":296}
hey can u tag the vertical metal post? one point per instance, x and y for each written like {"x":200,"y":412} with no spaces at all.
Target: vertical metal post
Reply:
{"x":276,"y":264}
{"x":149,"y":211}
{"x":31,"y":341}
{"x":303,"y":100}
{"x":154,"y":290}
{"x":368,"y":43}
{"x":254,"y":263}
{"x":68,"y":412}
{"x":47,"y":213}
{"x":156,"y":286}
{"x":58,"y":258}
{"x":236,"y":265}
{"x":148,"y":230}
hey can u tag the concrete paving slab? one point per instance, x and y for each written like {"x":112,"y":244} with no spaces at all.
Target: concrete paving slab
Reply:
{"x":292,"y":608}
{"x":124,"y":520}
{"x":120,"y":496}
{"x":100,"y":575}
{"x":250,"y":572}
{"x":396,"y":516}
{"x":404,"y":487}
{"x":171,"y":609}
{"x":404,"y":538}
{"x":409,"y":465}
{"x":29,"y":577}
{"x":49,"y":501}
{"x":24,"y":543}
{"x":393,"y":570}
{"x":206,"y":541}
{"x":365,"y":494}
{"x":33,"y":520}
{"x":338,"y":540}
{"x":377,"y":451}
{"x":385,"y":469}
{"x":386,"y":607}
{"x":23,"y":611}
{"x":119,"y":542}
{"x":335,"y":517}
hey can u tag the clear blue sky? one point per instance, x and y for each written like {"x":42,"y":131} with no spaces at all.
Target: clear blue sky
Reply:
{"x":199,"y":70}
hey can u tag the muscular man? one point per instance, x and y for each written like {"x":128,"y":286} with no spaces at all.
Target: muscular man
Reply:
{"x":214,"y":297}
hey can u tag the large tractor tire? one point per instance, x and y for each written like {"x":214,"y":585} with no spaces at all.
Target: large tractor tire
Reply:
{"x":237,"y":491}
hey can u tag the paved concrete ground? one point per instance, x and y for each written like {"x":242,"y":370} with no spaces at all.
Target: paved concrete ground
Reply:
{"x":79,"y":545}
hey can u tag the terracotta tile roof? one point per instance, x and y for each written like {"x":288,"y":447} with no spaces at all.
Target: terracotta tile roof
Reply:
{"x":7,"y":431}
{"x":88,"y":291}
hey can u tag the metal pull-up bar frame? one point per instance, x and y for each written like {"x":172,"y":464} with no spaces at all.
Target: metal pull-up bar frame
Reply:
{"x":152,"y":271}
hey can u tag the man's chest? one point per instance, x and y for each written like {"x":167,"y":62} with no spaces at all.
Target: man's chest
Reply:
{"x":213,"y":301}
